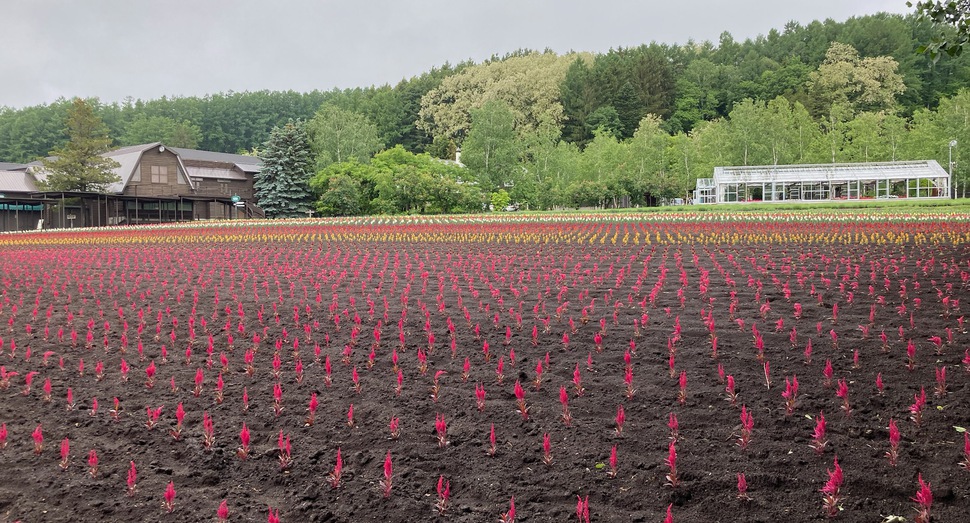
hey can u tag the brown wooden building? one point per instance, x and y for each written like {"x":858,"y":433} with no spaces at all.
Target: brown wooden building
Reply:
{"x":156,"y":184}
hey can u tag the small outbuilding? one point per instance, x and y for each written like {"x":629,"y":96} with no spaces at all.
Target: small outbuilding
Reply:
{"x":824,"y":182}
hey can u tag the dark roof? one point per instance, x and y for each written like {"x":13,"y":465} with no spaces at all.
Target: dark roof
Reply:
{"x":9,"y":166}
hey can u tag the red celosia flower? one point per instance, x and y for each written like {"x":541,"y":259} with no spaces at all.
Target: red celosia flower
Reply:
{"x":38,"y":436}
{"x":894,"y":439}
{"x":334,"y":477}
{"x":831,"y":491}
{"x":386,"y":483}
{"x":170,"y":497}
{"x":132,"y":479}
{"x":924,"y":501}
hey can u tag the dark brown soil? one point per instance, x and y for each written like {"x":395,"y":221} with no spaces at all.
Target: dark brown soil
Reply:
{"x":495,"y":284}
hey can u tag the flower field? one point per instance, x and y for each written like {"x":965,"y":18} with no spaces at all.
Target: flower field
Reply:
{"x":672,"y":367}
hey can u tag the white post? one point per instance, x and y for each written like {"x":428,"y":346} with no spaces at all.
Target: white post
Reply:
{"x":953,"y":143}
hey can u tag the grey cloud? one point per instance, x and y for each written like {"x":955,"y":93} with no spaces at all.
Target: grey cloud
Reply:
{"x":112,"y":49}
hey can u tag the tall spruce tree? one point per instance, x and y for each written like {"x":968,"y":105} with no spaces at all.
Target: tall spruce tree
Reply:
{"x":282,"y":185}
{"x":78,"y":165}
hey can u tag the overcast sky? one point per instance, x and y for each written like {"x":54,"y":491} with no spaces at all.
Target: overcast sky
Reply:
{"x":112,"y":49}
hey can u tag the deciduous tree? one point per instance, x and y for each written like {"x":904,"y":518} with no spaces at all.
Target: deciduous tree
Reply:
{"x":340,"y":135}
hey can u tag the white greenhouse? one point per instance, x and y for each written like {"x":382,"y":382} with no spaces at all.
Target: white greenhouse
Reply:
{"x":824,"y":182}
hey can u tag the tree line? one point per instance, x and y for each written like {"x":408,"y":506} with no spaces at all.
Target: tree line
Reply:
{"x":541,"y":129}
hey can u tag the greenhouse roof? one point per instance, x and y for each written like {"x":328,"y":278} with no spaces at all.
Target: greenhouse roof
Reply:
{"x":829,"y":172}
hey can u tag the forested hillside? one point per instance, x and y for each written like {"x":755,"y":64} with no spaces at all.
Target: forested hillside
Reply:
{"x":546,"y":129}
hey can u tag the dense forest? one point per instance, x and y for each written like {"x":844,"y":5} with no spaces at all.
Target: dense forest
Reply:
{"x":541,"y":129}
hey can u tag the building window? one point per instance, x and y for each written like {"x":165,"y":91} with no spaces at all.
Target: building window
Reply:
{"x":160,"y":174}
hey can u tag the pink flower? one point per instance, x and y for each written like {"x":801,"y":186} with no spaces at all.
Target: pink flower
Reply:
{"x":170,"y":496}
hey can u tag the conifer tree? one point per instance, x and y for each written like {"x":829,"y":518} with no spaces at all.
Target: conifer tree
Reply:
{"x":78,"y":165}
{"x":282,"y":185}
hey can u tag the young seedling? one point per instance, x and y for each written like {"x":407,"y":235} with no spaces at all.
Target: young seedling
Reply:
{"x":394,"y":428}
{"x":441,"y":428}
{"x":132,"y":480}
{"x":910,"y":355}
{"x":334,"y":477}
{"x":732,"y":394}
{"x":790,"y":394}
{"x":65,"y":454}
{"x":38,"y":437}
{"x":940,"y":389}
{"x":444,"y":493}
{"x":674,"y":427}
{"x":827,"y":374}
{"x":582,"y":509}
{"x":311,"y":410}
{"x":894,"y":438}
{"x":671,"y":462}
{"x":285,"y":451}
{"x":169,"y":496}
{"x":222,"y":513}
{"x":509,"y":517}
{"x":620,"y":420}
{"x":150,"y":375}
{"x":386,"y":482}
{"x":523,"y":409}
{"x":613,"y":463}
{"x":747,"y":425}
{"x":924,"y":501}
{"x":277,"y":399}
{"x":546,"y":449}
{"x":819,"y":442}
{"x":93,"y":463}
{"x":220,"y":387}
{"x":199,"y":378}
{"x":480,"y":397}
{"x":743,"y":488}
{"x":243,"y":451}
{"x":628,"y":381}
{"x":208,"y":431}
{"x":179,"y":417}
{"x":564,"y":401}
{"x":578,"y":381}
{"x":492,"y":448}
{"x":842,"y":391}
{"x":832,"y":491}
{"x":916,"y":409}
{"x":436,"y":385}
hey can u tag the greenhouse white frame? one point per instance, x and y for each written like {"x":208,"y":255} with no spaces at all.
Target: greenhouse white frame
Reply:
{"x":824,"y":182}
